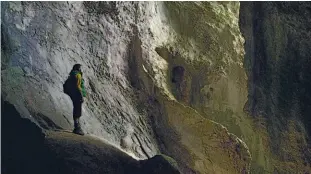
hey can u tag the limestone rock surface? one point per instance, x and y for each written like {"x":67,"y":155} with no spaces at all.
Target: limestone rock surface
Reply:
{"x":221,"y":87}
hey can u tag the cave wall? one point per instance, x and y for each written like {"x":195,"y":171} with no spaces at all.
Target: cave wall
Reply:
{"x":247,"y":69}
{"x":42,"y":41}
{"x":157,"y":73}
{"x":211,"y":79}
{"x":277,"y":63}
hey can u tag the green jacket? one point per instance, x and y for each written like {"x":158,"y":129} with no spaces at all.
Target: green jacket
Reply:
{"x":80,"y":82}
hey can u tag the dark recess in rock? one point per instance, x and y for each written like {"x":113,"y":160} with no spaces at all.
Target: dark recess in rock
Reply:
{"x":21,"y":143}
{"x":135,"y":60}
{"x":277,"y":62}
{"x":178,"y":73}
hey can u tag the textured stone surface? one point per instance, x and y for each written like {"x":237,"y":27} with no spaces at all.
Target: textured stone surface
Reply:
{"x":156,"y":72}
{"x":205,"y":71}
{"x":198,"y":143}
{"x":83,"y":154}
{"x":277,"y":62}
{"x":42,"y":41}
{"x":29,"y":149}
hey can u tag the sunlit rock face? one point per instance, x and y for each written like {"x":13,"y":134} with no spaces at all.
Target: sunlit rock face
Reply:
{"x":40,"y":44}
{"x":220,"y":87}
{"x":205,"y":64}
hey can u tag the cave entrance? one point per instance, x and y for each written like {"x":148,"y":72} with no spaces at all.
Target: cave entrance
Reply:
{"x":178,"y":73}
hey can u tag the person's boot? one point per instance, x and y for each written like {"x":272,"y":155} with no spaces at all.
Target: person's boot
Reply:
{"x":77,"y":127}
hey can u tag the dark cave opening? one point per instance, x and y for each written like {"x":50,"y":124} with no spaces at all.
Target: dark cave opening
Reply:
{"x":178,"y":73}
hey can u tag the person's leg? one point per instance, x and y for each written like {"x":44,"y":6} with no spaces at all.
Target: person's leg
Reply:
{"x":77,"y":112}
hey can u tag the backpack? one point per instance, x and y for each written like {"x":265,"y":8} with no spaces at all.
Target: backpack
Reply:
{"x":68,"y":86}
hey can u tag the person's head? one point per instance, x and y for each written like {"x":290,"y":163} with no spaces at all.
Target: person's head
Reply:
{"x":76,"y":67}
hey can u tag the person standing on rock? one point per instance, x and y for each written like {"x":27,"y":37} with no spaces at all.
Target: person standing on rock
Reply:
{"x":74,"y":87}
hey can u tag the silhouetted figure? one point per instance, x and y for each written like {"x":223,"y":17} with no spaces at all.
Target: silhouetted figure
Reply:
{"x":74,"y":87}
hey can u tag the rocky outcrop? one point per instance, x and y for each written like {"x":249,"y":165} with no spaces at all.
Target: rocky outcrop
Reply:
{"x":205,"y":71}
{"x":152,"y":83}
{"x":198,"y":143}
{"x":76,"y":154}
{"x":29,"y":149}
{"x":277,"y":62}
